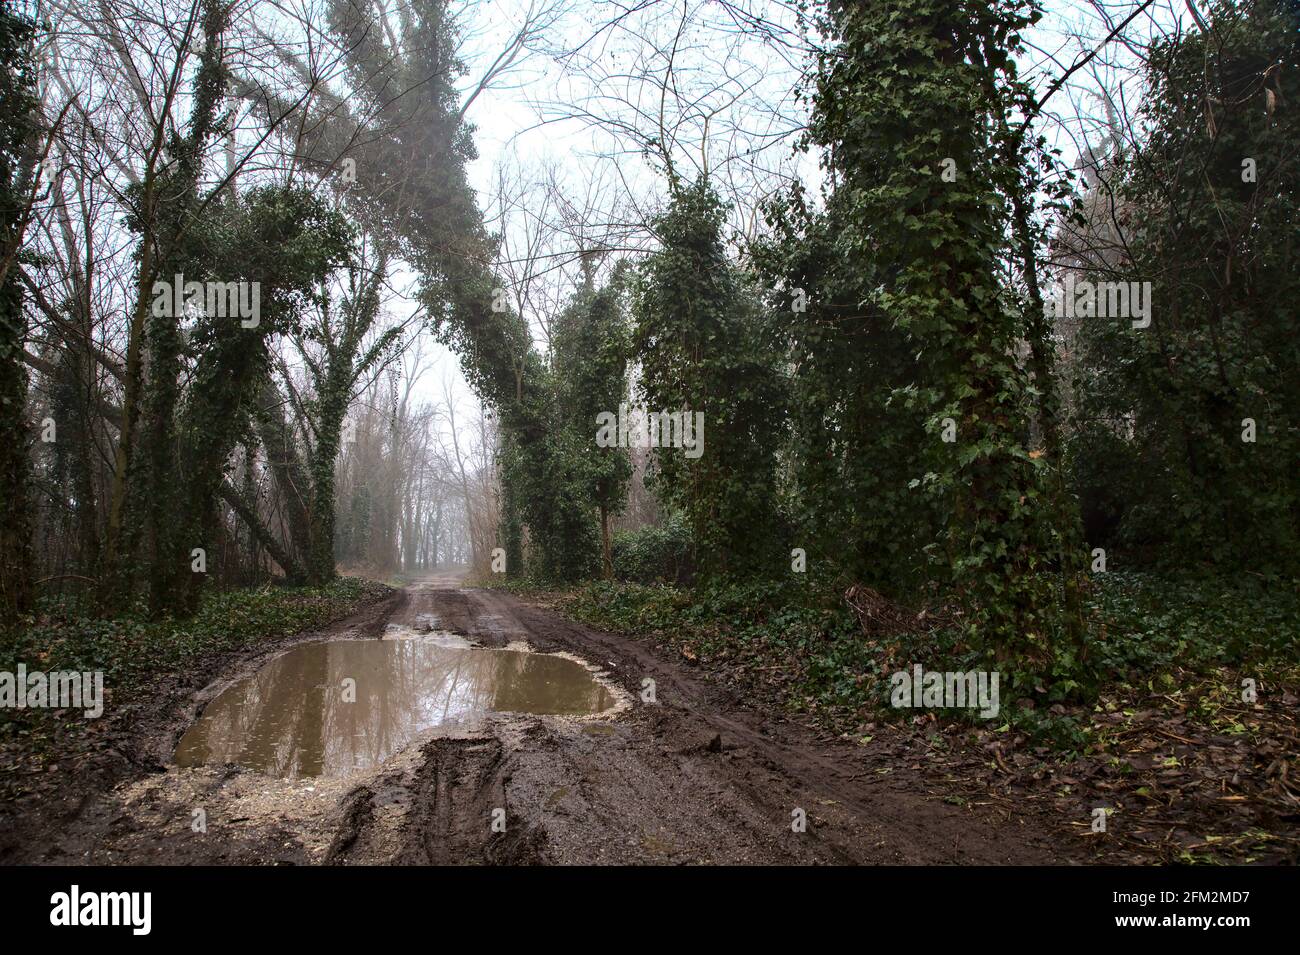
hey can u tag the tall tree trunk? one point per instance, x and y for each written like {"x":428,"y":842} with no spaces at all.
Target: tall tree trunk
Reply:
{"x":19,"y":109}
{"x":607,"y":555}
{"x":291,"y":480}
{"x":16,"y":555}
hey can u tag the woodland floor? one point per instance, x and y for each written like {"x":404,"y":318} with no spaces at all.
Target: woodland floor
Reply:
{"x":706,"y":774}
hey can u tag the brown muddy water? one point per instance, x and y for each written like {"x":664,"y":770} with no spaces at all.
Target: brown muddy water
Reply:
{"x":300,"y":716}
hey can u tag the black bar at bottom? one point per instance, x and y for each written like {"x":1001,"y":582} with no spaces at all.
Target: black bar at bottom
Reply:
{"x":667,"y":905}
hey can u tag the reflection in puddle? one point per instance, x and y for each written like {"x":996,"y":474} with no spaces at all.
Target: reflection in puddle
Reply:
{"x":293,"y":718}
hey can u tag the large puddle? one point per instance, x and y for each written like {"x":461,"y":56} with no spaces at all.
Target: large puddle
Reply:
{"x":301,"y":716}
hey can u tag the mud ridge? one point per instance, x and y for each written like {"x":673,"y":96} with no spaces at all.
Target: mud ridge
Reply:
{"x":460,"y":803}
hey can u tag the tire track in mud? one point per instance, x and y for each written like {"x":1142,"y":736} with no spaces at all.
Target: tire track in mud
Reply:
{"x":460,"y":794}
{"x":454,"y":811}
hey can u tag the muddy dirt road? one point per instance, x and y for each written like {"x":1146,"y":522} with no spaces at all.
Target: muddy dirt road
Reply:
{"x":695,"y":777}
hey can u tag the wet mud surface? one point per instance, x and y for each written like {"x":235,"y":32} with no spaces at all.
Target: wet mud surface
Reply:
{"x":695,"y":777}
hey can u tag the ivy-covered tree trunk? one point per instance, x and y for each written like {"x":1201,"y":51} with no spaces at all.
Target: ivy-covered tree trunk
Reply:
{"x":333,"y":406}
{"x":15,"y":520}
{"x":144,"y":505}
{"x":698,"y":337}
{"x":911,"y":102}
{"x":512,"y":525}
{"x":17,"y":170}
{"x":606,"y":545}
{"x":334,"y":375}
{"x":75,"y":406}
